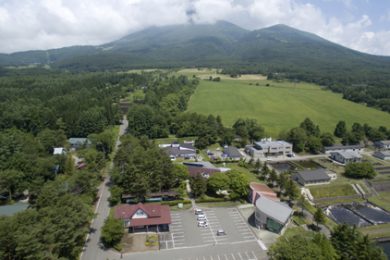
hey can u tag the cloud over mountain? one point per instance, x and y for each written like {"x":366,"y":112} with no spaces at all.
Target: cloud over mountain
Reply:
{"x":43,"y":24}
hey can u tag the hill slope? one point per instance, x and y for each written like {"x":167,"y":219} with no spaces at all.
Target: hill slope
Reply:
{"x":208,"y":44}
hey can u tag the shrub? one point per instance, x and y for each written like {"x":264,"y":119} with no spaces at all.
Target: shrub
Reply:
{"x":360,"y":170}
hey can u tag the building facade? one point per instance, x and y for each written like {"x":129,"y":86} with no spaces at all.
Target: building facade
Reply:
{"x":272,"y":215}
{"x":268,"y":147}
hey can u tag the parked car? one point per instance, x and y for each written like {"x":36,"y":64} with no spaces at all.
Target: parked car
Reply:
{"x":221,"y":232}
{"x":198,"y":212}
{"x":202,"y":224}
{"x":201,"y":218}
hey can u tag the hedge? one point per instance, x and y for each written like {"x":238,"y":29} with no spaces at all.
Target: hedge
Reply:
{"x":200,"y":200}
{"x":175,"y":202}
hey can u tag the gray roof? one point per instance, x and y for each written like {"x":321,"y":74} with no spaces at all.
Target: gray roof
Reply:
{"x":343,"y":147}
{"x":384,"y":142}
{"x":277,"y":210}
{"x":314,"y":175}
{"x":272,"y":144}
{"x":232,"y":152}
{"x":382,"y":153}
{"x":348,"y":154}
{"x":176,"y":151}
{"x":204,"y":164}
{"x":78,"y":140}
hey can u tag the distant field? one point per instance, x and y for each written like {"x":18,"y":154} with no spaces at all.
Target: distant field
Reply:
{"x":204,"y":73}
{"x":280,"y":106}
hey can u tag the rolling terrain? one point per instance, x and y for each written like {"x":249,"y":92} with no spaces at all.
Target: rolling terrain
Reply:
{"x":280,"y":106}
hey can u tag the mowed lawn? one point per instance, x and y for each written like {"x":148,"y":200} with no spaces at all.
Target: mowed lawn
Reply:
{"x":280,"y":106}
{"x":328,"y":191}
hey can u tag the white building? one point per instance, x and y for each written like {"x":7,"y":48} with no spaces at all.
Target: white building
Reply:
{"x":268,"y":147}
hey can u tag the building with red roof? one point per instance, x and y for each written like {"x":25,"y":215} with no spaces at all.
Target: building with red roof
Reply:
{"x":258,"y":190}
{"x":144,"y":217}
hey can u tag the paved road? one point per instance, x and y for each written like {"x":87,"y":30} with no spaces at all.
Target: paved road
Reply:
{"x":92,"y":249}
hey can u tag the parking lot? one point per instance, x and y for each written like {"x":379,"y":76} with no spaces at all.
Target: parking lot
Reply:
{"x":184,"y":230}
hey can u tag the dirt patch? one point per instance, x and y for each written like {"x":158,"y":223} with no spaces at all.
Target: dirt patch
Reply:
{"x":139,"y":242}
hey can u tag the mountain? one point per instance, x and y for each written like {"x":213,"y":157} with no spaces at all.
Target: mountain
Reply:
{"x":277,"y":48}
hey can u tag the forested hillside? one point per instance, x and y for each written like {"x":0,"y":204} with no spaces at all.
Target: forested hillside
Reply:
{"x":278,"y":51}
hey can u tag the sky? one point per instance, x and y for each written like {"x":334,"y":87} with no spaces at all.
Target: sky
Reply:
{"x":363,"y":25}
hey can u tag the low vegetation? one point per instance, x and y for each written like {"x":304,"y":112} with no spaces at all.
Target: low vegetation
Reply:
{"x":360,"y":170}
{"x":328,"y":191}
{"x":280,"y":106}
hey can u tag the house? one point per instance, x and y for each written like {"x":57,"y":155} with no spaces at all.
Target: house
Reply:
{"x":346,"y":156}
{"x":77,"y":143}
{"x":272,"y":215}
{"x":144,"y":217}
{"x":59,"y":151}
{"x":258,"y":190}
{"x":383,"y":145}
{"x":184,"y":150}
{"x":312,"y":177}
{"x":384,"y":155}
{"x":267,"y":147}
{"x":335,"y":148}
{"x":204,"y":169}
{"x":231,"y":153}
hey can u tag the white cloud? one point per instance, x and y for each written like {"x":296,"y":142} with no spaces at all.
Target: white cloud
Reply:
{"x":42,"y":24}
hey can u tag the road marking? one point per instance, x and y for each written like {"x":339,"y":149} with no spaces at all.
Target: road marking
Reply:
{"x":173,"y":242}
{"x":261,"y":244}
{"x":233,"y":256}
{"x":219,"y":257}
{"x":254,"y":255}
{"x":240,"y":256}
{"x":226,"y":257}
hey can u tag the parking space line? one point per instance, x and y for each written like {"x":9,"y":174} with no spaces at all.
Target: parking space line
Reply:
{"x":254,"y":255}
{"x":240,"y":256}
{"x":226,"y":257}
{"x":234,"y":258}
{"x":173,"y":242}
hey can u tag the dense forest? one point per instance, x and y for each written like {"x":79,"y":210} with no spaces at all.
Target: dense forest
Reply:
{"x":37,"y":114}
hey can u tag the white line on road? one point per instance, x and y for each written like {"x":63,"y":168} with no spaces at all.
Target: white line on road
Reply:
{"x":261,"y":244}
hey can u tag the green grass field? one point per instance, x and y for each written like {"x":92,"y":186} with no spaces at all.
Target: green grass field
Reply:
{"x":280,"y":106}
{"x":327,"y":191}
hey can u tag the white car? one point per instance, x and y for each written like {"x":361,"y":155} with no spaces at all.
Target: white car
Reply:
{"x":202,"y":224}
{"x":201,"y":218}
{"x":198,"y":212}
